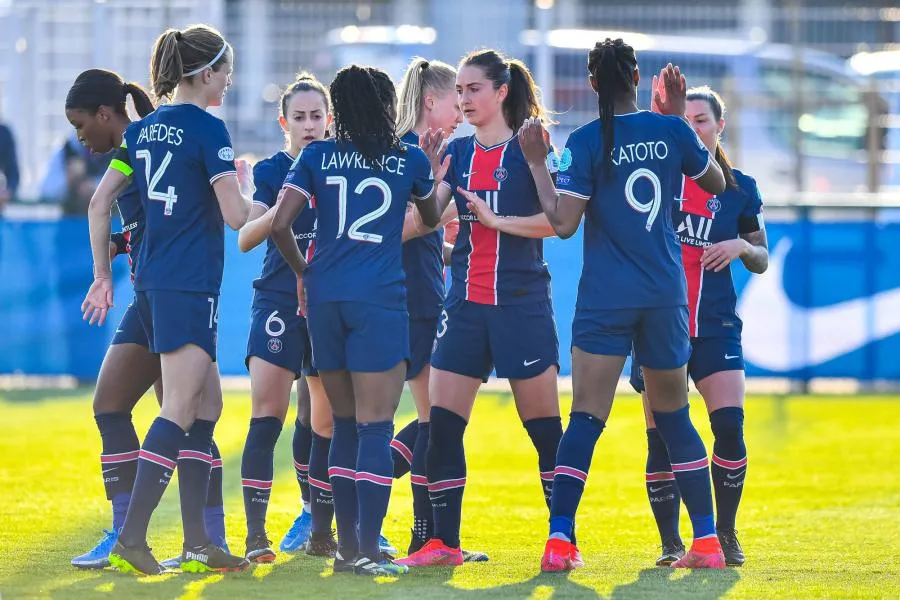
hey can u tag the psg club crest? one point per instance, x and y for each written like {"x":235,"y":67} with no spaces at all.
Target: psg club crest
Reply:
{"x":500,"y":174}
{"x":714,"y":205}
{"x":275,"y":345}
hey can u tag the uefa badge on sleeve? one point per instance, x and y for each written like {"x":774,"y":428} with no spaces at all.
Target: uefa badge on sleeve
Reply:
{"x":226,"y":153}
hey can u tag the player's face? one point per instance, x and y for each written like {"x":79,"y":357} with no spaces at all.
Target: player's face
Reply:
{"x":91,"y":129}
{"x":442,"y":112}
{"x":219,"y":81}
{"x":700,"y":115}
{"x":479,"y":101}
{"x":306,"y":119}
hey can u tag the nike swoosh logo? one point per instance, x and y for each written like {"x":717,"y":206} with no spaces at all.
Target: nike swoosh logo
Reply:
{"x":776,"y":323}
{"x":729,"y":356}
{"x":662,"y":487}
{"x":735,"y":476}
{"x":528,"y":363}
{"x":108,"y":470}
{"x":469,"y":174}
{"x":437,"y":497}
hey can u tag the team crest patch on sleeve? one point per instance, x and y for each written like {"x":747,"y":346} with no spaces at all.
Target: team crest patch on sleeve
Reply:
{"x":565,"y":161}
{"x":552,"y":162}
{"x":226,"y":153}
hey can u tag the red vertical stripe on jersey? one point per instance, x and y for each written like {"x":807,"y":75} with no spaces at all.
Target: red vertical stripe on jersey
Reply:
{"x":693,"y":272}
{"x":694,"y":201}
{"x":481,"y":285}
{"x":311,"y":247}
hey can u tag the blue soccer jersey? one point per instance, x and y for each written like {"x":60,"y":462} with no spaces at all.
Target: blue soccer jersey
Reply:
{"x":488,"y":266}
{"x":423,"y":263}
{"x":277,"y":281}
{"x":632,"y":257}
{"x":360,"y":208}
{"x":702,"y":220}
{"x":177,"y":152}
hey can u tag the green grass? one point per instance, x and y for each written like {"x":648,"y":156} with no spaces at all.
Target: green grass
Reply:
{"x":819,"y":518}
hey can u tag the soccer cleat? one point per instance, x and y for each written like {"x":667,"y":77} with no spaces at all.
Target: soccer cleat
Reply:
{"x":211,"y":558}
{"x":341,"y":564}
{"x":259,"y":550}
{"x":672,"y":550}
{"x":298,"y":533}
{"x":434,"y":553}
{"x":731,"y":548}
{"x":175,"y":562}
{"x":705,"y":553}
{"x":416,"y":543}
{"x":560,"y":555}
{"x":134,"y":559}
{"x":384,"y":568}
{"x":321,"y":544}
{"x":386,"y":548}
{"x":98,"y":556}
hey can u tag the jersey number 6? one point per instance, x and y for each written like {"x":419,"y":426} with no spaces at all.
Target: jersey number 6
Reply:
{"x":170,"y":198}
{"x":354,"y":232}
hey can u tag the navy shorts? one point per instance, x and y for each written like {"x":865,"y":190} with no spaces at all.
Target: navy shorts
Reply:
{"x":174,"y":319}
{"x":279,"y":337}
{"x":357,"y":336}
{"x":708,"y":356}
{"x":518,"y":340}
{"x":659,"y":336}
{"x":130,"y":329}
{"x":421,"y":343}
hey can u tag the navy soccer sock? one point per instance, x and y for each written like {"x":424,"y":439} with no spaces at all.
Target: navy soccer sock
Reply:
{"x":194,"y":464}
{"x":423,"y":521}
{"x":118,"y":460}
{"x":374,"y":470}
{"x":573,"y":461}
{"x":446,"y":464}
{"x":257,"y":469}
{"x":729,"y":463}
{"x":214,"y":514}
{"x":342,"y":473}
{"x":662,"y":489}
{"x":321,"y":502}
{"x":302,"y":446}
{"x":402,"y":448}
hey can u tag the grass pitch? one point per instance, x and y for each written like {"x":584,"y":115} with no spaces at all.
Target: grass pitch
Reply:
{"x":819,"y":517}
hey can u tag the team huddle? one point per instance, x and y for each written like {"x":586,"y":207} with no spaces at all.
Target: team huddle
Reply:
{"x":360,"y":212}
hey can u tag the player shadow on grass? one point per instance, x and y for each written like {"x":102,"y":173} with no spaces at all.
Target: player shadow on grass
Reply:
{"x":664,"y":582}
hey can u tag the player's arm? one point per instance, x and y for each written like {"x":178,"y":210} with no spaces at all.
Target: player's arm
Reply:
{"x":291,"y":201}
{"x":756,"y":253}
{"x":257,"y":228}
{"x":448,"y":254}
{"x":434,"y":146}
{"x":414,"y":227}
{"x":534,"y":226}
{"x":234,"y":202}
{"x":562,"y":209}
{"x":752,"y":230}
{"x":712,"y":180}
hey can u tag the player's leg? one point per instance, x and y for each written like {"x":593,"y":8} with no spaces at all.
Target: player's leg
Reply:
{"x":127,"y":372}
{"x":377,"y":357}
{"x":460,"y":363}
{"x":663,"y":349}
{"x":270,"y":393}
{"x":717,"y":368}
{"x":321,"y":540}
{"x":662,"y":489}
{"x":301,"y":450}
{"x":601,"y":339}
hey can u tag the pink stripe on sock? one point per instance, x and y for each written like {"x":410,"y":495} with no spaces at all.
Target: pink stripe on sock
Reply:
{"x":257,"y":483}
{"x":661,"y":476}
{"x":120,"y":457}
{"x":730,"y":464}
{"x":374,"y":478}
{"x":702,"y":463}
{"x":341,"y":472}
{"x":571,"y":472}
{"x":418,"y":480}
{"x":195,"y":455}
{"x":447,"y":484}
{"x":158,"y":459}
{"x":319,"y":484}
{"x":402,"y":449}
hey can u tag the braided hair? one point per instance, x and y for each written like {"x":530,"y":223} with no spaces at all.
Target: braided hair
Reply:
{"x":365,"y":103}
{"x":612,"y":65}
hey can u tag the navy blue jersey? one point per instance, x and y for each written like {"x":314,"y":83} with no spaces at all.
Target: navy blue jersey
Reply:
{"x":176,"y":153}
{"x":703,"y":220}
{"x":632,"y":258}
{"x":277,"y":279}
{"x":360,"y":209}
{"x":423,"y":263}
{"x":488,"y":266}
{"x":131,"y":210}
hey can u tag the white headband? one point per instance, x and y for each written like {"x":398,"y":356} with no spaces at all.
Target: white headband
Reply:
{"x":210,"y":63}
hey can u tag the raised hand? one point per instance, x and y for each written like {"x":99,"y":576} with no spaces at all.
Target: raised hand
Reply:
{"x":669,"y":91}
{"x":534,"y":141}
{"x":479,"y":208}
{"x":434,"y":146}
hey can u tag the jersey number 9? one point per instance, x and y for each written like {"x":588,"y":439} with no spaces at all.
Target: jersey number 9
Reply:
{"x":354,"y":232}
{"x":651,"y":208}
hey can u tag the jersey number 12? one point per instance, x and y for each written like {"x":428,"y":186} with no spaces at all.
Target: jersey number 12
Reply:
{"x":355,"y":232}
{"x":170,"y":198}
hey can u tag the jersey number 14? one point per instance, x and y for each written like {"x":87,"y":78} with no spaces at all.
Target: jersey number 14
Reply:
{"x":169,"y":197}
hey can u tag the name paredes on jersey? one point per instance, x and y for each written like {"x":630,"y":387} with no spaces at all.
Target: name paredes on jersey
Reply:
{"x":355,"y":160}
{"x":641,"y":151}
{"x":158,"y":132}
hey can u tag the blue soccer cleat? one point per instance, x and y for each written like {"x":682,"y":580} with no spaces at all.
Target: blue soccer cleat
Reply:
{"x":98,"y":556}
{"x":298,"y":534}
{"x":386,"y":548}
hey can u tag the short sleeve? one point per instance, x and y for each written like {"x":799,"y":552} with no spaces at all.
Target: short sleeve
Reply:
{"x":300,"y":176}
{"x":695,"y":158}
{"x":121,"y":162}
{"x":751,"y":218}
{"x":218,"y":156}
{"x":423,"y":178}
{"x":265,"y":194}
{"x":450,"y":177}
{"x":575,"y":174}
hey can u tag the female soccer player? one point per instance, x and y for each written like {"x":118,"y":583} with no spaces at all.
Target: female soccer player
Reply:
{"x":427,"y":100}
{"x":188,"y":183}
{"x":278,"y":351}
{"x":622,"y":172}
{"x":498,"y":311}
{"x":713,"y":231}
{"x":356,"y":303}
